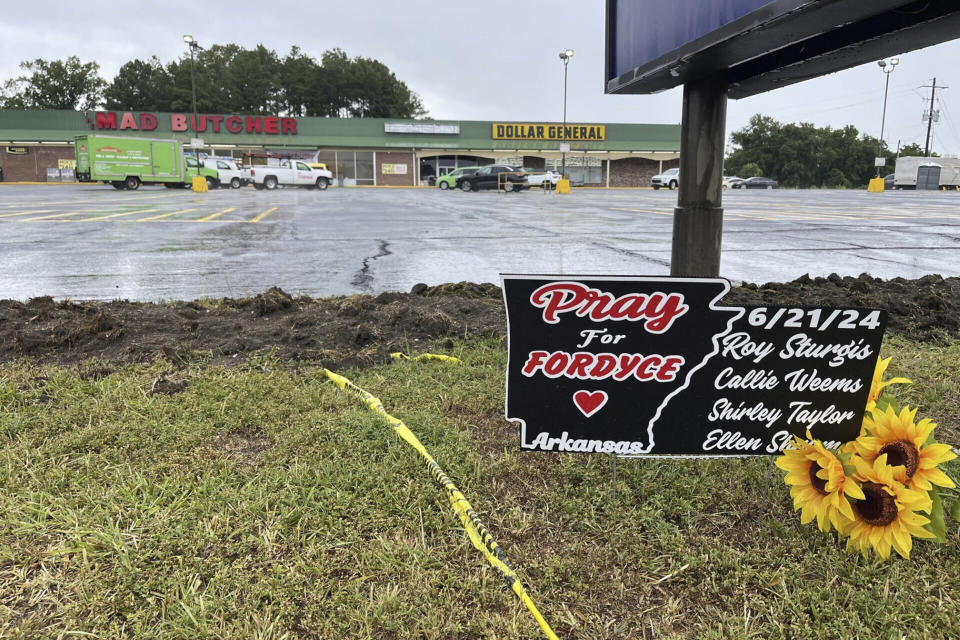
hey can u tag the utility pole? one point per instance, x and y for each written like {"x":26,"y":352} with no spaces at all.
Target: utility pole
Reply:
{"x":883,"y":120}
{"x":193,"y":45}
{"x":565,"y":56}
{"x":930,"y":114}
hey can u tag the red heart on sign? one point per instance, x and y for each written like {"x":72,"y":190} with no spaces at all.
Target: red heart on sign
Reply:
{"x":589,"y":402}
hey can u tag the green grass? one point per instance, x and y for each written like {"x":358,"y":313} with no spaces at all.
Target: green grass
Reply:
{"x":263,"y":502}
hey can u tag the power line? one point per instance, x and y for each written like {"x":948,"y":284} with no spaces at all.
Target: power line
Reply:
{"x":949,"y":119}
{"x":943,"y":146}
{"x":931,"y":114}
{"x":806,"y":105}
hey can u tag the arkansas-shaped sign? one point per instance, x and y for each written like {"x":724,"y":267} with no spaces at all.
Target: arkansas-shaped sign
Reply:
{"x":632,"y":365}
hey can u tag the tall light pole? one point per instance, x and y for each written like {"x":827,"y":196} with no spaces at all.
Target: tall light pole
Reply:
{"x":194,"y":45}
{"x":887,"y":69}
{"x":565,"y":55}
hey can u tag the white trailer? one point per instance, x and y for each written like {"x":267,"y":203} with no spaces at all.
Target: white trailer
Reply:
{"x":905,"y":174}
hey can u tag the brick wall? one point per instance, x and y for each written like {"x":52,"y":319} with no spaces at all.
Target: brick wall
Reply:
{"x":636,"y":172}
{"x":32,"y":166}
{"x":395,"y":157}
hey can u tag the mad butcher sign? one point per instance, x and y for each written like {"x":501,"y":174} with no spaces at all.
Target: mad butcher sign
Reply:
{"x":637,"y":366}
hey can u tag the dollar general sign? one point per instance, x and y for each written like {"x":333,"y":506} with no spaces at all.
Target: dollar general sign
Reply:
{"x":531,"y":131}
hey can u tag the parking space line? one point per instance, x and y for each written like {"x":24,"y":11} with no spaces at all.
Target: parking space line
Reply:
{"x":56,"y":215}
{"x":213,"y":216}
{"x":659,"y":213}
{"x":117,"y":215}
{"x":165,"y":215}
{"x":101,"y":201}
{"x":26,"y":213}
{"x":264,"y":214}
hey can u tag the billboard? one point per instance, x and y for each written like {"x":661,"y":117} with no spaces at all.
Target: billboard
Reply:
{"x":759,"y":45}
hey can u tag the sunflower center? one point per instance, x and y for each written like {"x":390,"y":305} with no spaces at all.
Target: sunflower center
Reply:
{"x":818,"y":484}
{"x":878,"y":507}
{"x":903,"y":453}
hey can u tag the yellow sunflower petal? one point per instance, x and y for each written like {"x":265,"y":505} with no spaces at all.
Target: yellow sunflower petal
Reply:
{"x":936,"y":477}
{"x":845,"y":509}
{"x":853,"y":490}
{"x":934,"y":454}
{"x":902,"y":542}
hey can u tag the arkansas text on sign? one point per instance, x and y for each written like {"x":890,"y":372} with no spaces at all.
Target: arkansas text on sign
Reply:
{"x":634,"y":366}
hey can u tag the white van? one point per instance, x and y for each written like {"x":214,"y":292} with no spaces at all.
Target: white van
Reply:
{"x":228,"y":171}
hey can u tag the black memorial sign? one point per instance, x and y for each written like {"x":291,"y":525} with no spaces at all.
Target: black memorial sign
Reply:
{"x":659,"y":366}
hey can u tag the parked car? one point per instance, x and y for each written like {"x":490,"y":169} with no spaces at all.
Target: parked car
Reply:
{"x":541,"y":178}
{"x":449,"y":181}
{"x":493,"y":176}
{"x":729,"y":181}
{"x":228,"y":173}
{"x":757,"y":183}
{"x":669,"y":179}
{"x":889,"y":183}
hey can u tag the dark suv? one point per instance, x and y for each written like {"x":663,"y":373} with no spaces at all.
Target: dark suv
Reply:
{"x":493,"y":176}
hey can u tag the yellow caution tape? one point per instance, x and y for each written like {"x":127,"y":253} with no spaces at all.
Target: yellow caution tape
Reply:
{"x":478,"y":533}
{"x":425,"y":356}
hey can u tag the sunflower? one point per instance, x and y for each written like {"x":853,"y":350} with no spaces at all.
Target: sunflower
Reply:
{"x":849,"y":448}
{"x":887,"y":516}
{"x":905,"y":444}
{"x":818,"y":484}
{"x":878,"y":384}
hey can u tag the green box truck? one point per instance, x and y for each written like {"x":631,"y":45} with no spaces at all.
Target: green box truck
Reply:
{"x":126,"y":163}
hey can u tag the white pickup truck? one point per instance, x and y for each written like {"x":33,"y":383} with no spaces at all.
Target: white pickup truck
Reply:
{"x":292,"y":173}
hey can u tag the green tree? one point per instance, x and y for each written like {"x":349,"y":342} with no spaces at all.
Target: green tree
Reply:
{"x":377,"y":93}
{"x":332,"y":95}
{"x":361,"y":88}
{"x":298,"y":82}
{"x":836,"y":179}
{"x":140,"y":85}
{"x":228,"y":79}
{"x":915,"y":149}
{"x":749,"y":170}
{"x":803,"y":155}
{"x":255,"y":80}
{"x":216,"y":80}
{"x":55,"y":84}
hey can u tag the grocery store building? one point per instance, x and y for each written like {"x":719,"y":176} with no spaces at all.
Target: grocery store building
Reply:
{"x":37,"y":145}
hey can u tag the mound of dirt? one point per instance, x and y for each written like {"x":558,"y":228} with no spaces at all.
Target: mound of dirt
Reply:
{"x":340,"y":332}
{"x":919,"y":309}
{"x":362,"y":330}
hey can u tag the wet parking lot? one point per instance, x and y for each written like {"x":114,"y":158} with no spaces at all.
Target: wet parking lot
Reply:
{"x":92,"y":242}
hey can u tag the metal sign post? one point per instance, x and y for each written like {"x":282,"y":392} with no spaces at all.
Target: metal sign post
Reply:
{"x":739,"y":48}
{"x":698,"y":218}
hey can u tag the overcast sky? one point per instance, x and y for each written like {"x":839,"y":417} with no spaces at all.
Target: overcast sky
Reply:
{"x":492,"y":60}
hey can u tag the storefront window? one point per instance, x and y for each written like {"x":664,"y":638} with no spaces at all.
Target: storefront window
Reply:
{"x":347,"y":166}
{"x":580,"y":169}
{"x":329,"y":158}
{"x":364,"y":170}
{"x":428,"y":168}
